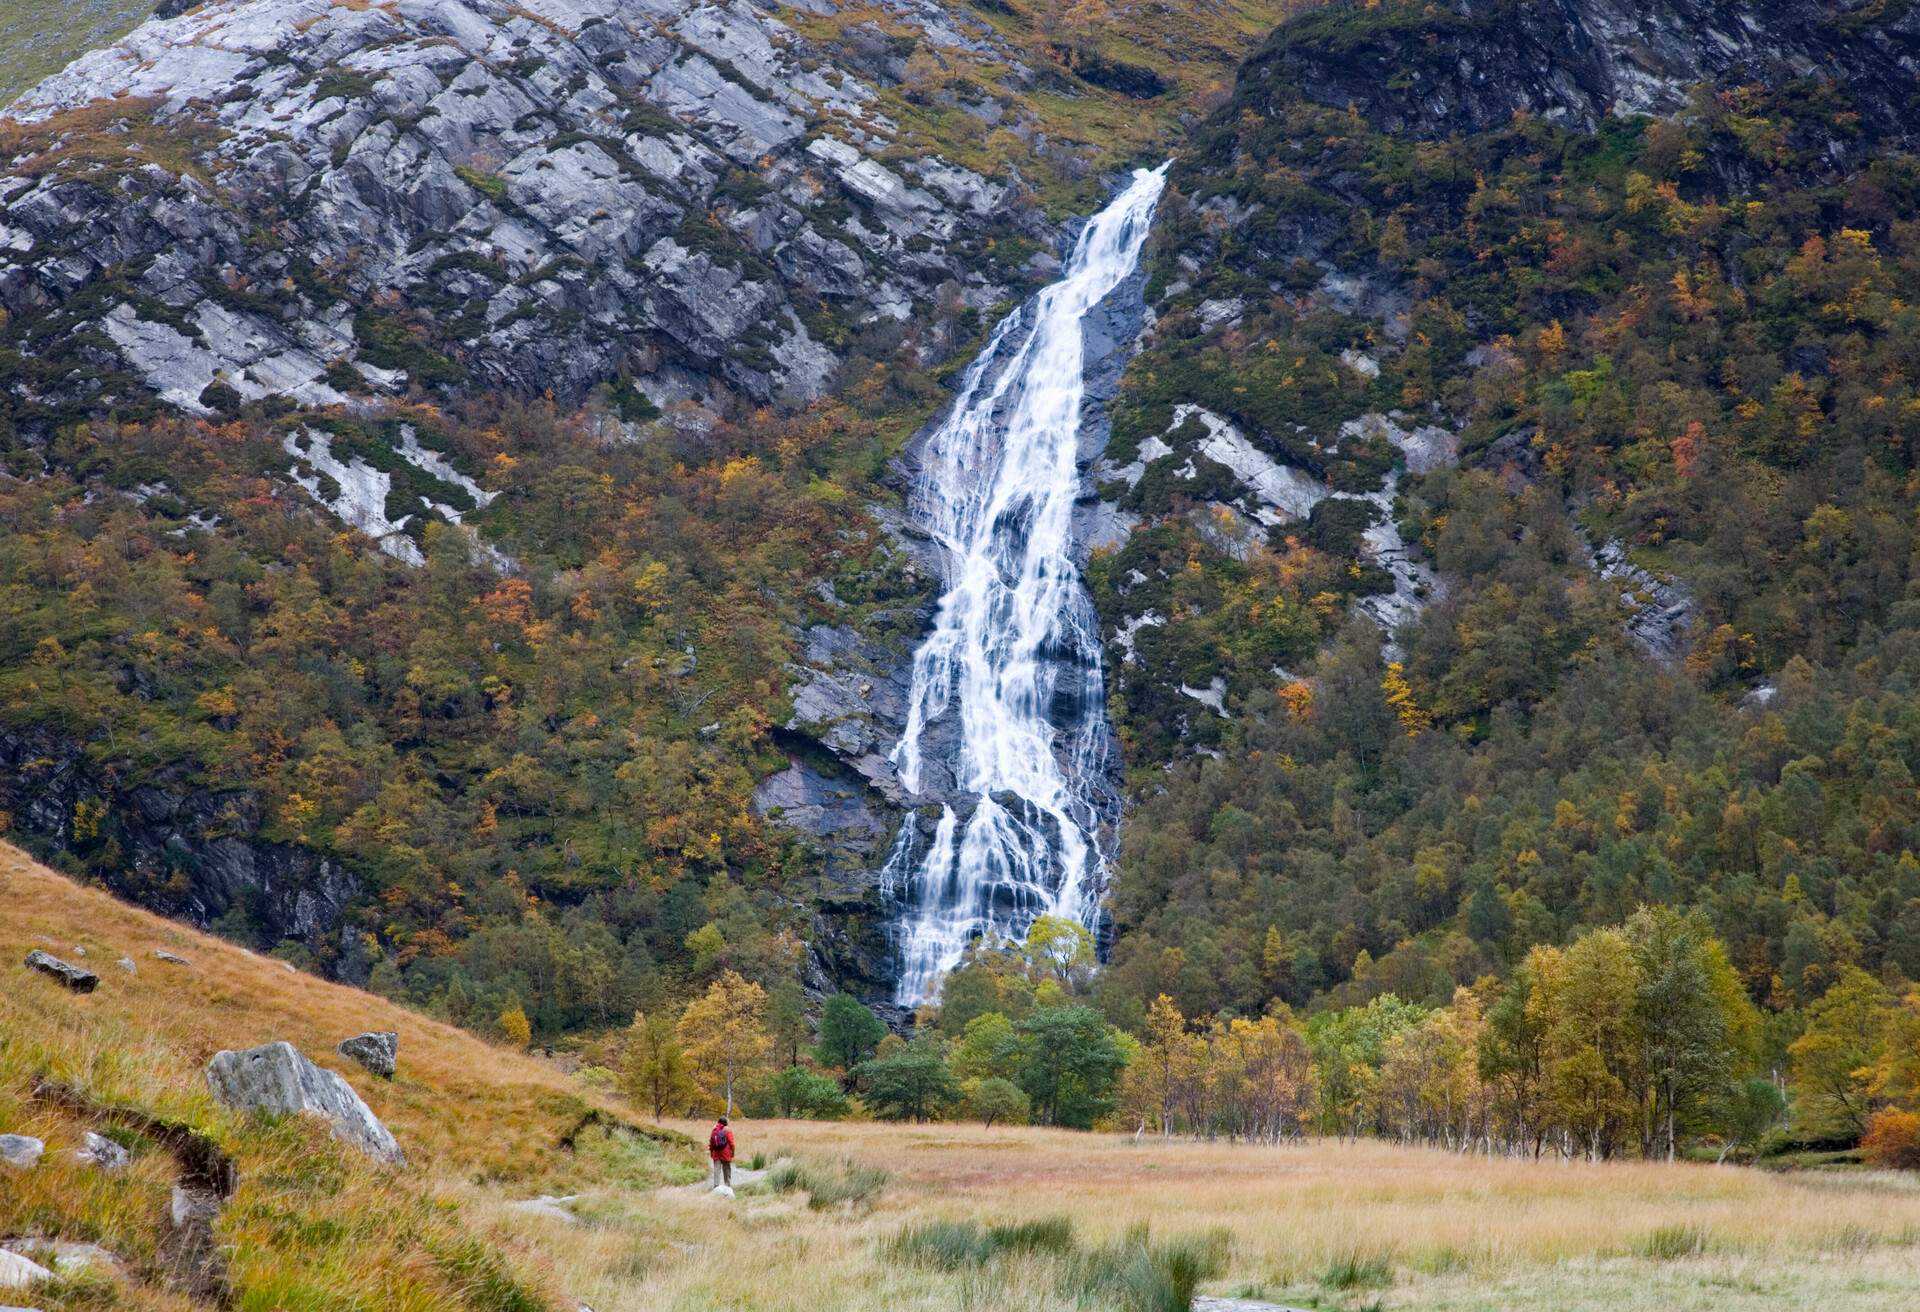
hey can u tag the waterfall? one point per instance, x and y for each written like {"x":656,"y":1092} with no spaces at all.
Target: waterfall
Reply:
{"x":1011,"y":671}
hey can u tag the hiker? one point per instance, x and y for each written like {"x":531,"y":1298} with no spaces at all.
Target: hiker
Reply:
{"x":720,"y":1148}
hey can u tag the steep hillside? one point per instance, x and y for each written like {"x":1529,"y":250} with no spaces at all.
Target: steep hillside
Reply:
{"x":1640,"y":392}
{"x":310,"y":1220}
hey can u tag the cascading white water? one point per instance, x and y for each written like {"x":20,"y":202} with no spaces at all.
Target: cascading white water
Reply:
{"x":1014,"y":656}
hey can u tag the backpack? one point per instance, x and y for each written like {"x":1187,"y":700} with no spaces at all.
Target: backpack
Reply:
{"x":719,"y":1141}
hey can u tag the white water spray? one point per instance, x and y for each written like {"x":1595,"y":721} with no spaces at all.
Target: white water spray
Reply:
{"x":1014,"y":656}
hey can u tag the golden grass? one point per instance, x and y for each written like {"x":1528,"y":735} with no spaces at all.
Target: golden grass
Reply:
{"x":1455,"y":1232}
{"x":314,"y":1226}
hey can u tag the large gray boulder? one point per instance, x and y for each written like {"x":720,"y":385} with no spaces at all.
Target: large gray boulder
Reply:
{"x":20,"y":1150}
{"x":276,"y":1078}
{"x":376,"y":1050}
{"x":66,"y":973}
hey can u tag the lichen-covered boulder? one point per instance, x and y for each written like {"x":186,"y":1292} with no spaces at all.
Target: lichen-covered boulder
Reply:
{"x":65,"y":972}
{"x":276,"y":1078}
{"x":102,"y":1152}
{"x":20,"y":1150}
{"x":377,"y":1050}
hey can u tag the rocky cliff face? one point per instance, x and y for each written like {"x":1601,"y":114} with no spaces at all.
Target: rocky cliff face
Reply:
{"x":183,"y":850}
{"x":306,"y":201}
{"x":1471,"y":65}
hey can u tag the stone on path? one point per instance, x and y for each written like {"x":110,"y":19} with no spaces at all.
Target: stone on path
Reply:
{"x":377,"y":1050}
{"x":554,"y":1209}
{"x":1208,"y":1303}
{"x":20,"y":1150}
{"x":275,"y":1077}
{"x":80,"y":981}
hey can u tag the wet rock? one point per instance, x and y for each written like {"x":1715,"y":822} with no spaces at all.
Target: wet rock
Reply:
{"x":275,"y":1078}
{"x":377,"y":1051}
{"x":65,"y":973}
{"x":172,"y":822}
{"x":20,"y":1151}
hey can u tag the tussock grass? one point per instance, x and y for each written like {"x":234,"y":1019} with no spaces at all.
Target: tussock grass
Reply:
{"x":1672,"y":1241}
{"x":1132,"y":1272}
{"x":824,"y":1187}
{"x":1359,"y":1268}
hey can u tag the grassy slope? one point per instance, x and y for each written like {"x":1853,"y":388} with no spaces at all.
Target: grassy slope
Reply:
{"x":38,"y":37}
{"x":315,"y":1227}
{"x":1194,"y":47}
{"x":312,"y":1224}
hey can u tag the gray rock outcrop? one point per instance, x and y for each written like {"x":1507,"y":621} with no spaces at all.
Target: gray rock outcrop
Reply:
{"x":645,"y":189}
{"x":171,"y":822}
{"x":1478,"y":63}
{"x":378,"y":1051}
{"x":20,"y":1150}
{"x":275,"y":1078}
{"x":65,"y":973}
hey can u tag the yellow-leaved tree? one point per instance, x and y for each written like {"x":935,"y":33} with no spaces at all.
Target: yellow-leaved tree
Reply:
{"x":724,"y":1035}
{"x":654,"y":1070}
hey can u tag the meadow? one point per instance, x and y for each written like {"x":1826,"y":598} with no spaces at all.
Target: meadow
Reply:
{"x":839,"y":1216}
{"x":1325,"y":1224}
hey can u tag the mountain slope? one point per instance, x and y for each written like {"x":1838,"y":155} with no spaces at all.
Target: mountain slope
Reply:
{"x":391,"y":263}
{"x":1645,"y":390}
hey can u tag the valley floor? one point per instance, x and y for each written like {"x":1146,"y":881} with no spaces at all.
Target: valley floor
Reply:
{"x":1400,"y":1227}
{"x":1327,"y":1224}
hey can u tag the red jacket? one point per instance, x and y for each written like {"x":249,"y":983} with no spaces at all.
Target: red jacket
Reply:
{"x":724,"y":1152}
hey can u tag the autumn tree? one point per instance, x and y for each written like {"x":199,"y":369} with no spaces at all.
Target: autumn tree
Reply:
{"x":723,"y":1033}
{"x":1833,"y":1059}
{"x":654,"y":1071}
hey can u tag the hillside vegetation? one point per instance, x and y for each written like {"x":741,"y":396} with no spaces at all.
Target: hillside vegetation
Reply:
{"x":1685,"y":343}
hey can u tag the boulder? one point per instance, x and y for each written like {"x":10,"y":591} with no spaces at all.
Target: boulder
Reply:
{"x":276,"y":1078}
{"x":63,"y":1257}
{"x":103,"y":1152}
{"x":17,"y":1272}
{"x":80,"y":981}
{"x":376,"y":1050}
{"x":126,"y":964}
{"x":161,"y":954}
{"x":20,"y":1150}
